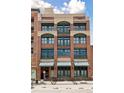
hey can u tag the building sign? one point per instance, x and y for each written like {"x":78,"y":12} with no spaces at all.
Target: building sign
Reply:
{"x":33,"y":74}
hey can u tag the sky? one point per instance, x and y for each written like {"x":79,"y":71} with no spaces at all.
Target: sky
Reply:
{"x":68,"y":6}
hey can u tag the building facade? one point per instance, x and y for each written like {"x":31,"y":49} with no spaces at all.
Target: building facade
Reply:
{"x":60,"y":46}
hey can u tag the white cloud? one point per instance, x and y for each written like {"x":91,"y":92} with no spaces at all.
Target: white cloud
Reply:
{"x":57,"y":11}
{"x":40,"y":4}
{"x":73,"y":6}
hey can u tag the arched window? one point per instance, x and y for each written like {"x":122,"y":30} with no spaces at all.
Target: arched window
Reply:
{"x":47,"y":39}
{"x":79,"y":39}
{"x":63,"y":27}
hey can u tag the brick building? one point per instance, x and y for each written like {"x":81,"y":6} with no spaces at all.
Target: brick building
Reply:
{"x":60,"y":46}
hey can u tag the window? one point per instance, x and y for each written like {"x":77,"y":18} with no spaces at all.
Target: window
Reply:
{"x":63,"y":41}
{"x":32,"y":39}
{"x":80,"y":40}
{"x":63,"y":29}
{"x":47,"y":40}
{"x":80,"y":26}
{"x":32,"y":19}
{"x":80,"y":53}
{"x":32,"y":51}
{"x":63,"y":72}
{"x":47,"y":28}
{"x":63,"y":52}
{"x":80,"y":72}
{"x":47,"y":53}
{"x":32,"y":29}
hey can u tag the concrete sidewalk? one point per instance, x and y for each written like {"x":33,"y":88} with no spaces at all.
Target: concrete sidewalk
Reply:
{"x":64,"y":87}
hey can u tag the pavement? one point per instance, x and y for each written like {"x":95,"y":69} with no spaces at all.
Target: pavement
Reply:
{"x":63,"y":87}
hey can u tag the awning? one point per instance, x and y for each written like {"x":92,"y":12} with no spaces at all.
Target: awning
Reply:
{"x":81,"y":63}
{"x":64,"y":64}
{"x":46,"y":64}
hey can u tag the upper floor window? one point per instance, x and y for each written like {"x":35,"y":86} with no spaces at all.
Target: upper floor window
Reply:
{"x":62,"y":41}
{"x":32,"y":39}
{"x":47,"y":53}
{"x":63,"y":27}
{"x":32,"y":19}
{"x":79,"y":26}
{"x":80,"y":53}
{"x":47,"y":40}
{"x":63,"y":52}
{"x":32,"y":51}
{"x":47,"y":27}
{"x":80,"y":39}
{"x":32,"y":29}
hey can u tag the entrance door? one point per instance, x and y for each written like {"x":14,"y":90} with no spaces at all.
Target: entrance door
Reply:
{"x":45,"y":73}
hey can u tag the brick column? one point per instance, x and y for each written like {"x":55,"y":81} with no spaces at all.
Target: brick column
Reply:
{"x":38,"y":58}
{"x":55,"y":57}
{"x":89,"y":58}
{"x":38,"y":48}
{"x":72,"y":53}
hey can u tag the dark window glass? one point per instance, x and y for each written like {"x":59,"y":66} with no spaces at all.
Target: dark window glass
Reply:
{"x":80,"y":72}
{"x":47,"y":40}
{"x":63,"y":52}
{"x":32,"y":39}
{"x":80,"y":27}
{"x":80,"y":53}
{"x":32,"y":19}
{"x":63,"y":29}
{"x":80,"y":40}
{"x":32,"y":29}
{"x":63,"y":41}
{"x":32,"y":51}
{"x":47,"y":53}
{"x":47,"y":28}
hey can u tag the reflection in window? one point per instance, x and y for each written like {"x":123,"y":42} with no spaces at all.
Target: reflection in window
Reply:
{"x":63,"y":52}
{"x":80,"y":53}
{"x":47,"y":40}
{"x":63,"y":41}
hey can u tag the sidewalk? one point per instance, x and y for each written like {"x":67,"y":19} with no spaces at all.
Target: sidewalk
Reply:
{"x":64,"y":87}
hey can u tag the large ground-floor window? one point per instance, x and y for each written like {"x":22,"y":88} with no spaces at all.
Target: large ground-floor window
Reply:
{"x":64,"y":72}
{"x":80,"y":72}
